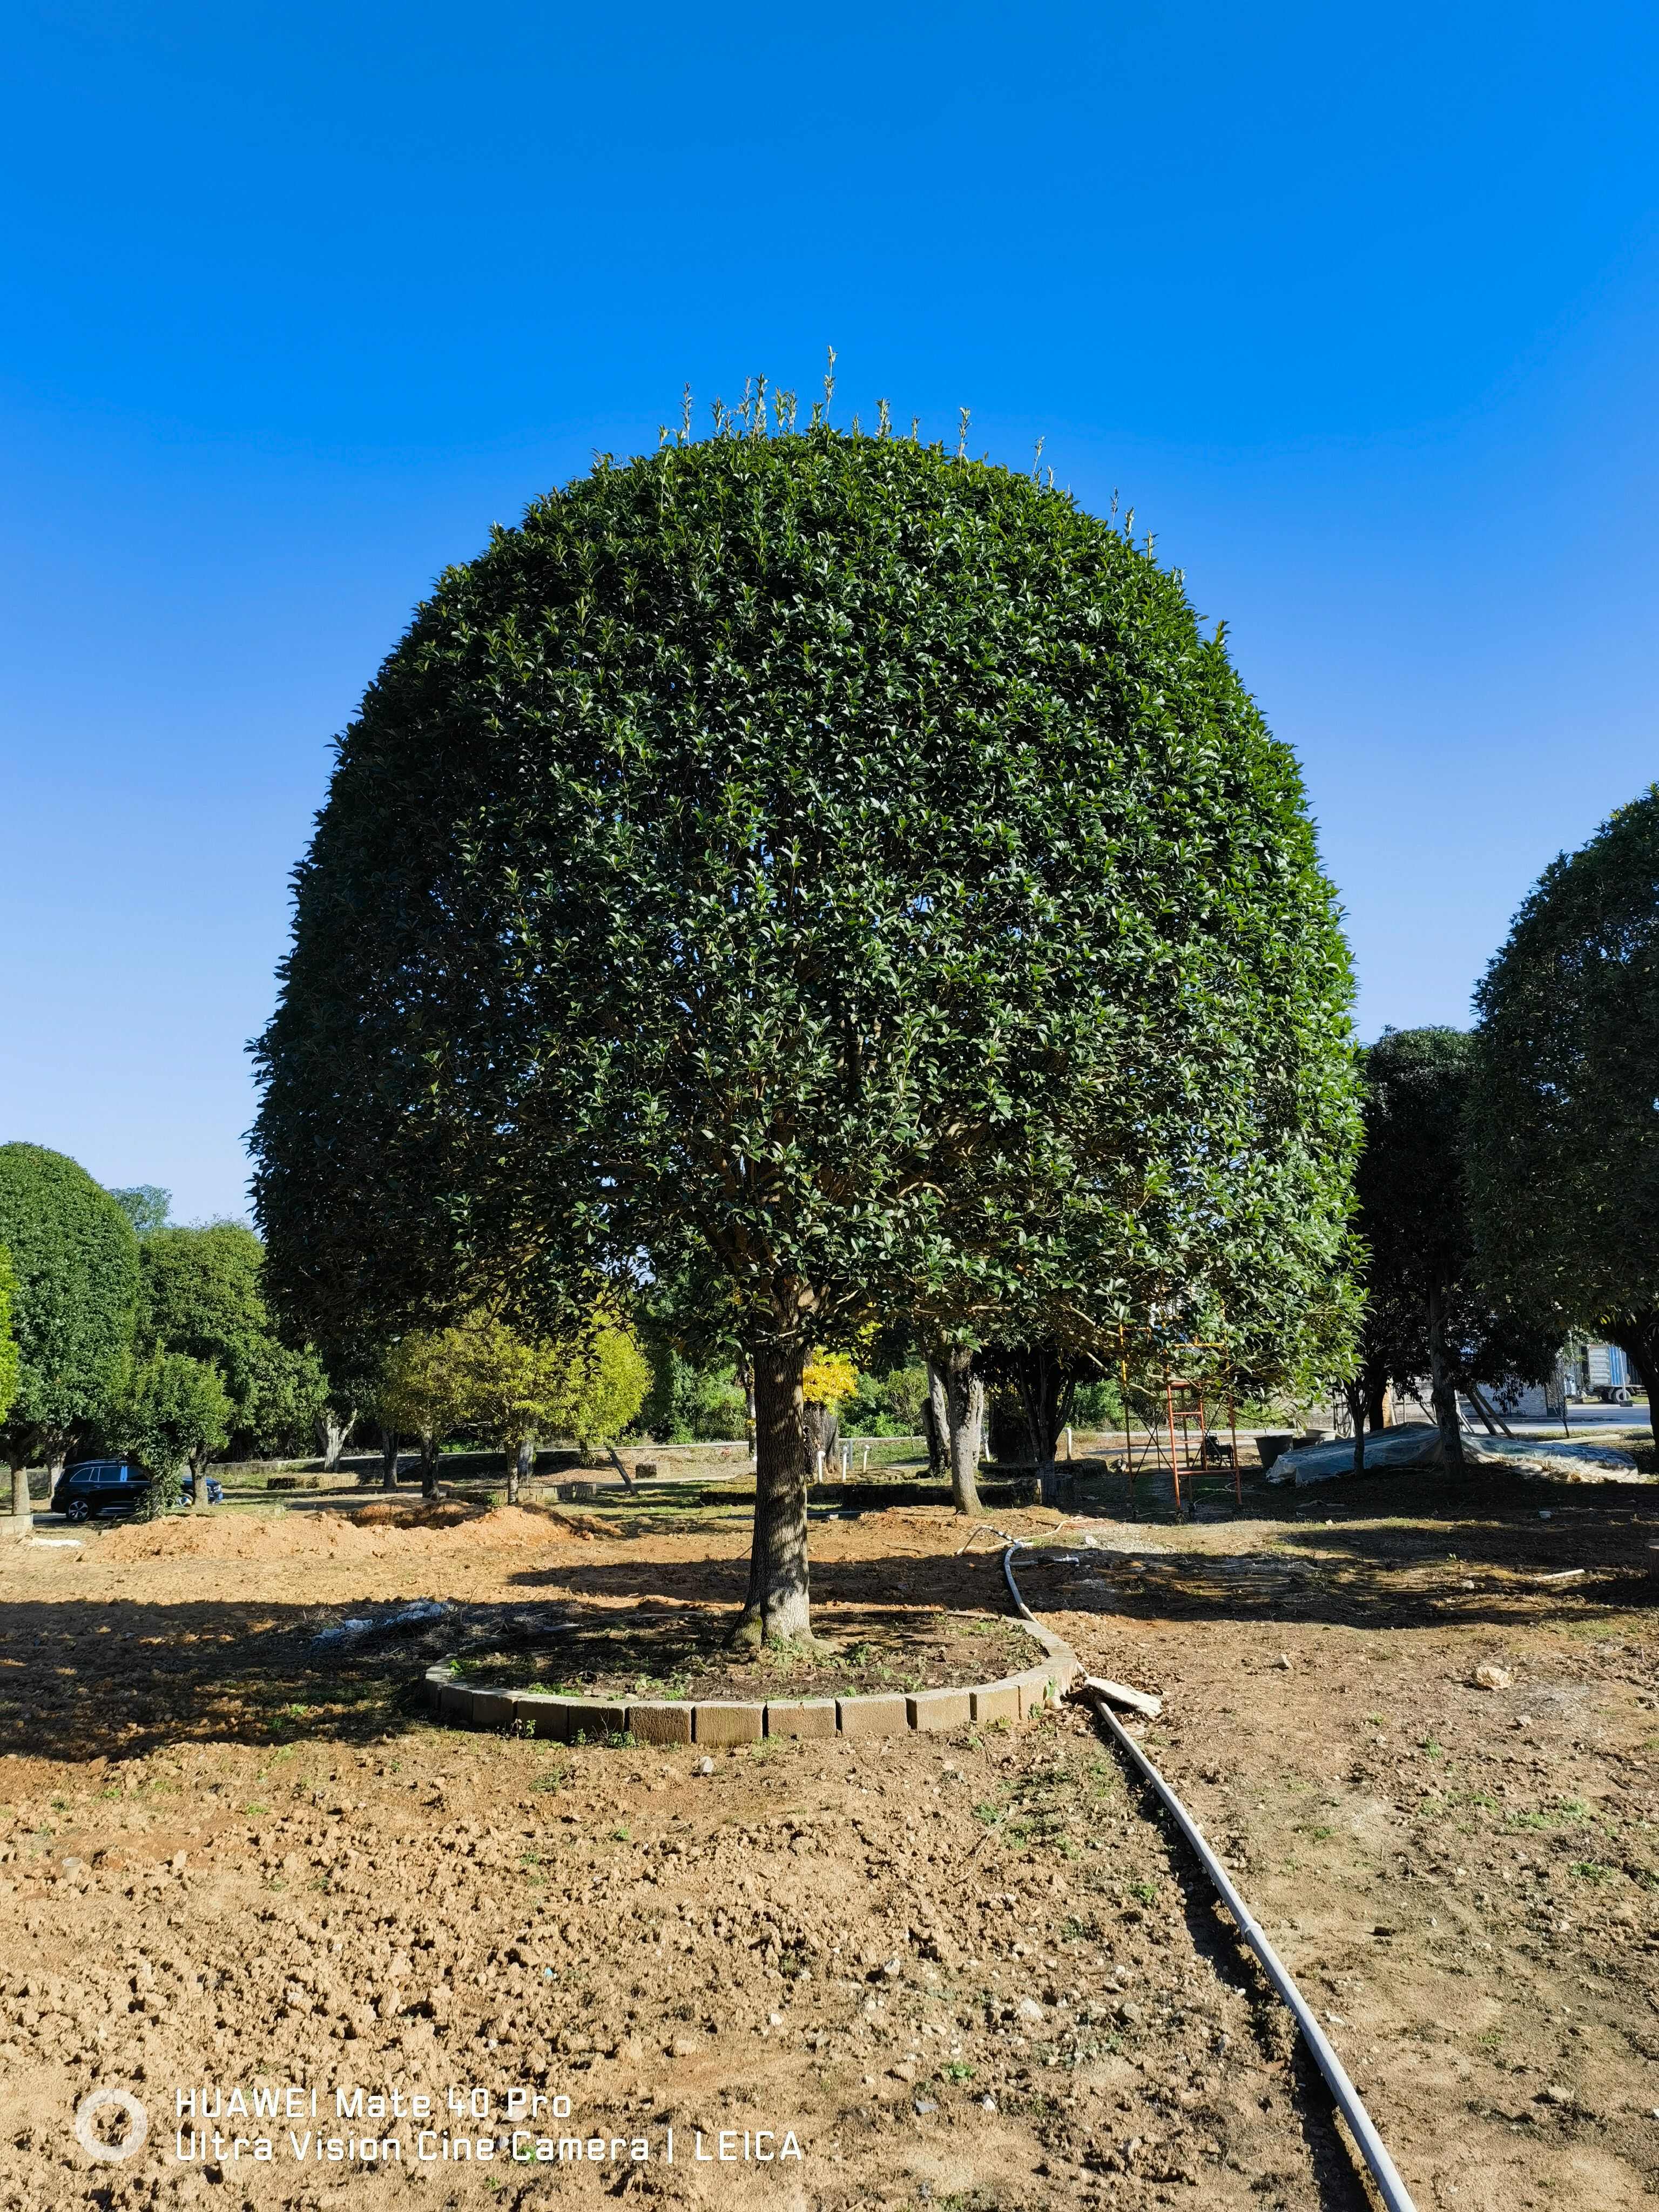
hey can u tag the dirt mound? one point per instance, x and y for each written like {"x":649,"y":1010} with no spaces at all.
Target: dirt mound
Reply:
{"x":374,"y":1532}
{"x":385,"y":1515}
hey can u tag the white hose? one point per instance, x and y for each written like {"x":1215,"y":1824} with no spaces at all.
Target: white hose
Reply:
{"x":1395,"y":2193}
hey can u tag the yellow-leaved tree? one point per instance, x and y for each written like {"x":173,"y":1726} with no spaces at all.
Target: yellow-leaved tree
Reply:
{"x":829,"y":1379}
{"x":513,"y":1390}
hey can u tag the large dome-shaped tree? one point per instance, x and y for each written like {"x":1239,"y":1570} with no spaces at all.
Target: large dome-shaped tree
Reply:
{"x":1564,"y":1115}
{"x":841,"y":861}
{"x":75,"y":1260}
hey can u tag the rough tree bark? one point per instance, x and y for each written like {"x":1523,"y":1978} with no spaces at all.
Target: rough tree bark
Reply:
{"x":332,"y":1432}
{"x":936,"y":1424}
{"x":1638,"y":1338}
{"x":777,"y":1608}
{"x":520,"y":1466}
{"x":1442,"y":1391}
{"x":950,"y":1376}
{"x":20,"y":1491}
{"x":746,"y":1376}
{"x":388,"y":1459}
{"x":822,"y":1439}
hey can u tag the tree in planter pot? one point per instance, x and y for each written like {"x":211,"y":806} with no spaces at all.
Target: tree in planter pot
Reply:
{"x":776,"y":857}
{"x":1564,"y":1166}
{"x":75,"y":1259}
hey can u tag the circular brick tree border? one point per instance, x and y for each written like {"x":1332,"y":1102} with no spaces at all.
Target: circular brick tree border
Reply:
{"x":723,"y":1721}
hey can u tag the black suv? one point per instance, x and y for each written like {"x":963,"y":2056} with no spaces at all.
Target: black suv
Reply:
{"x":114,"y":1485}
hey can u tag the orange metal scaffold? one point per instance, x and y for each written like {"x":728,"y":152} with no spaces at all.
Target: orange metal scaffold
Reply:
{"x":1190,"y":1447}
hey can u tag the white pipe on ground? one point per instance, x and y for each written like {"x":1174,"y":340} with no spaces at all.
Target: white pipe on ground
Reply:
{"x":1394,"y":2193}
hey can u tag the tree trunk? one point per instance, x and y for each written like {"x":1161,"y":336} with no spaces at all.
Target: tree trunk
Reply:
{"x":20,"y":1491}
{"x":1355,"y":1395}
{"x":199,"y":1497}
{"x":822,"y":1438}
{"x":1494,"y":1420}
{"x":746,"y":1376}
{"x":1030,"y":1397}
{"x":428,"y":1466}
{"x":1377,"y":1404}
{"x":777,"y":1608}
{"x":334,"y":1436}
{"x":936,"y":1424}
{"x":388,"y":1459}
{"x":955,"y":1368}
{"x":1638,"y":1340}
{"x":1443,"y":1392}
{"x":520,"y":1466}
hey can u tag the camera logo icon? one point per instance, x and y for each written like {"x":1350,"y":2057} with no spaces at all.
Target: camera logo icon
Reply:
{"x":90,"y":2127}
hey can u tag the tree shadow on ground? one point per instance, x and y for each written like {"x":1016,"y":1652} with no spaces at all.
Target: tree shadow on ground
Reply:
{"x":110,"y":1679}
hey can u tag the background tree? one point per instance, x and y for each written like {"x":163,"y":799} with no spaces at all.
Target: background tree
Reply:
{"x":956,"y":1402}
{"x":684,"y":1323}
{"x":519,"y":1389}
{"x":146,"y":1206}
{"x":426,"y":1391}
{"x":783,"y":854}
{"x":827,"y":1380}
{"x":75,"y":1260}
{"x":1564,"y":1121}
{"x":171,"y":1412}
{"x":201,"y":1294}
{"x":1426,"y":1310}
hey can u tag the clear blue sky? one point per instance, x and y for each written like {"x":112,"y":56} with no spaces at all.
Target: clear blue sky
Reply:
{"x":1360,"y":308}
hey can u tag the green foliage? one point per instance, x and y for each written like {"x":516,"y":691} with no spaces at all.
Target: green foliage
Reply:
{"x":1412,"y":1184}
{"x":427,"y":1388}
{"x":8,"y":1339}
{"x":887,"y":1405}
{"x":845,"y":866}
{"x":75,"y":1259}
{"x":1565,"y":1109}
{"x":512,"y":1390}
{"x":1098,"y":1404}
{"x":171,"y":1412}
{"x":202,"y":1295}
{"x":822,"y":845}
{"x":691,"y":1400}
{"x":146,"y":1205}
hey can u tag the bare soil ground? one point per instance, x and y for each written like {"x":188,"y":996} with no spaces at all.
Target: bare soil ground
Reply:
{"x":966,"y":1971}
{"x":633,"y":1651}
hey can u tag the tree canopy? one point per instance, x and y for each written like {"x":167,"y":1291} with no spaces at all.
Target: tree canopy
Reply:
{"x":1426,"y":1313}
{"x":75,"y":1260}
{"x":201,"y":1296}
{"x":1564,"y":1105}
{"x":841,"y":864}
{"x":513,"y":1390}
{"x":171,"y":1412}
{"x":146,"y":1205}
{"x":7,"y":1338}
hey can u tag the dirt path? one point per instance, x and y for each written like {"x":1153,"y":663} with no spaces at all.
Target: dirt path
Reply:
{"x":963,"y":1972}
